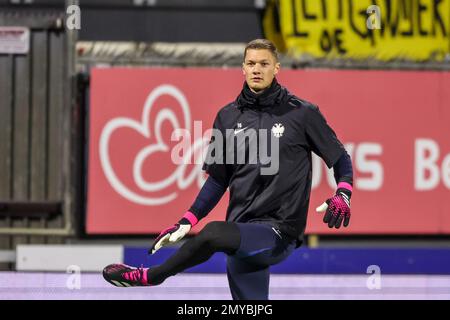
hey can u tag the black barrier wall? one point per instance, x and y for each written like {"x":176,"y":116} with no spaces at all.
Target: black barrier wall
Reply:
{"x":36,"y":131}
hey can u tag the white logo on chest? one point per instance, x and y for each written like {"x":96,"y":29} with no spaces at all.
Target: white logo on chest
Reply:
{"x":278,"y":130}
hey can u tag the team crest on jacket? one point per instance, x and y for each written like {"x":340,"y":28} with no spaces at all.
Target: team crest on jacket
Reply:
{"x":278,"y":130}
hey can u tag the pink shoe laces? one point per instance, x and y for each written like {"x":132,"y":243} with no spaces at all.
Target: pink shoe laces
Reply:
{"x":137,"y":275}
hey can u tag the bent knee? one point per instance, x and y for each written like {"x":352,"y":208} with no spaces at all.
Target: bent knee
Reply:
{"x":215,"y":227}
{"x":215,"y":232}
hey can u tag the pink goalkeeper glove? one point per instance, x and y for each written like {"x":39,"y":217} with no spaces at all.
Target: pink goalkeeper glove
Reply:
{"x":337,"y":208}
{"x":174,"y":233}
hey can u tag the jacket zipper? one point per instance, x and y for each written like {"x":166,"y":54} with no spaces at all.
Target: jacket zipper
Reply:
{"x":259,"y":128}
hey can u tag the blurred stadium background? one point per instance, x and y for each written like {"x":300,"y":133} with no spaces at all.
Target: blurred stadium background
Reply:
{"x":84,"y":86}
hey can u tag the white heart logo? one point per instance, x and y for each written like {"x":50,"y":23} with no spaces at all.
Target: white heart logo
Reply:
{"x":144,"y":129}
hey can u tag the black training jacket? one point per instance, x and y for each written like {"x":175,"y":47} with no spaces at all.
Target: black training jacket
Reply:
{"x":280,"y":199}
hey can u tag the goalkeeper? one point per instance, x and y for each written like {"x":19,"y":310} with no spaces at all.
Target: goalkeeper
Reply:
{"x":267,"y":213}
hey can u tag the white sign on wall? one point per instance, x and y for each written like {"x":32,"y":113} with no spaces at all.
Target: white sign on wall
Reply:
{"x":14,"y":40}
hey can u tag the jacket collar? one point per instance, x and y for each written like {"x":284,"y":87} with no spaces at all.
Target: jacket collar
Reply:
{"x":270,"y":97}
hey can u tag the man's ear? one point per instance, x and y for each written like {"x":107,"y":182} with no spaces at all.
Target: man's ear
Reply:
{"x":277,"y":68}
{"x":243,"y":71}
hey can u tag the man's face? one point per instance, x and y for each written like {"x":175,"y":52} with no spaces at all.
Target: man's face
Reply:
{"x":259,"y":67}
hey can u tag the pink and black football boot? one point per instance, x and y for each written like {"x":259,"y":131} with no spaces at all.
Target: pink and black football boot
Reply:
{"x":121,"y":275}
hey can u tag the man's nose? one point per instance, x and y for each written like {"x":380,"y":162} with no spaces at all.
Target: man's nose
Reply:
{"x":256,"y":70}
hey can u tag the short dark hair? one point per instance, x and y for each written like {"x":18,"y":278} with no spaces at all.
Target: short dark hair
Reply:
{"x":262,"y":44}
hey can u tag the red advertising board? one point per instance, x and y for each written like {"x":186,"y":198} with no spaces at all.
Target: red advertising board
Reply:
{"x":395,"y":125}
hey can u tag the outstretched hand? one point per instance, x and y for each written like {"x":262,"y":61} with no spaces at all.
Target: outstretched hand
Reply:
{"x":337,"y":209}
{"x":169,"y":236}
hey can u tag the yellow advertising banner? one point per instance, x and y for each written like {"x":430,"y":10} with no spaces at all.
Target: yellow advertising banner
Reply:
{"x":358,"y":29}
